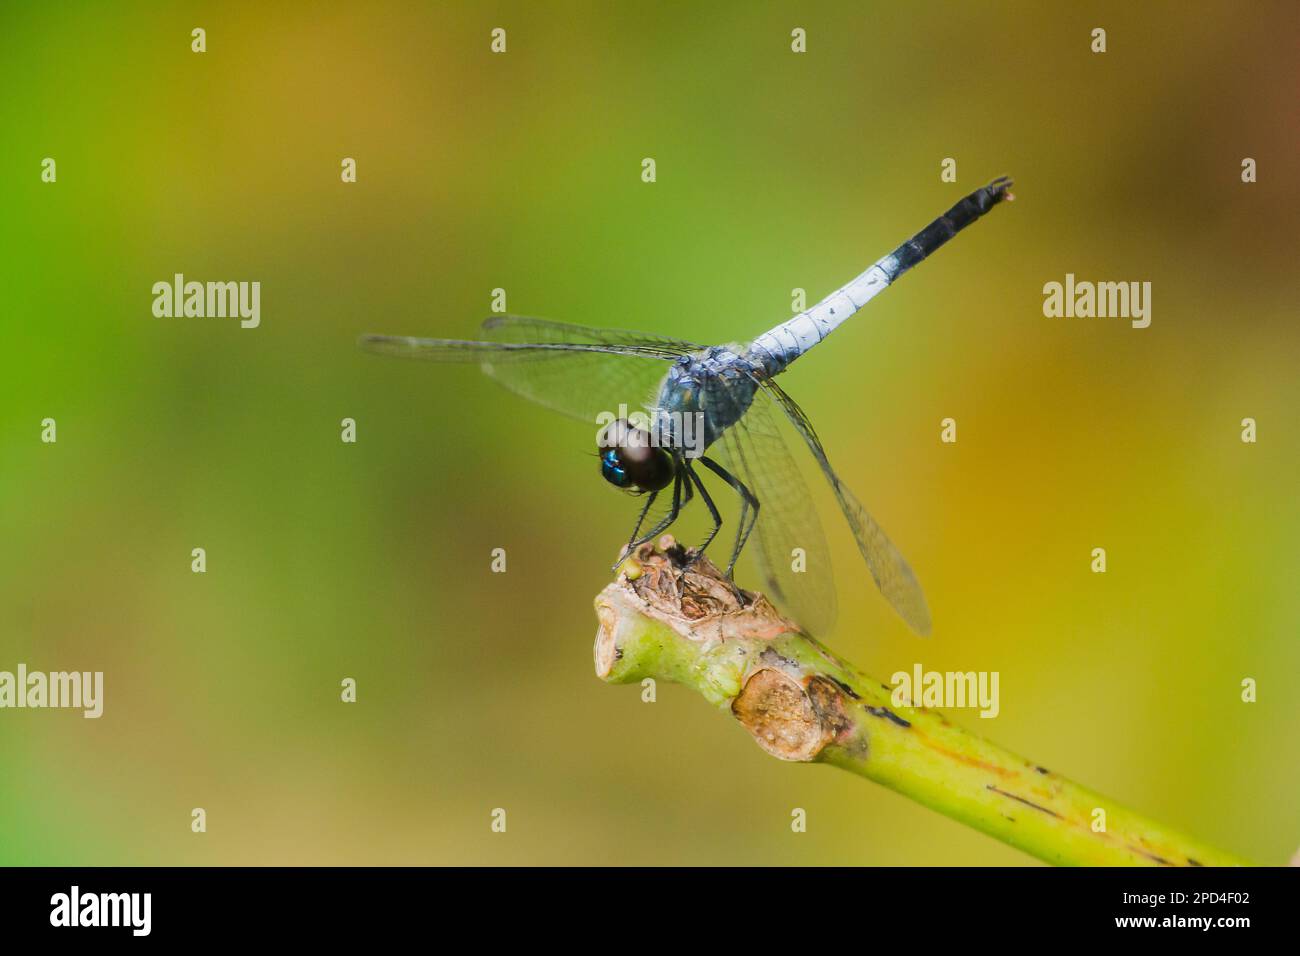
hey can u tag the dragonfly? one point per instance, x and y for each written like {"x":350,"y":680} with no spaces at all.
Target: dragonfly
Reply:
{"x":713,"y":412}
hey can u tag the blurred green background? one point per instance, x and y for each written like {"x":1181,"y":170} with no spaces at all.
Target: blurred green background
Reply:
{"x":775,"y":171}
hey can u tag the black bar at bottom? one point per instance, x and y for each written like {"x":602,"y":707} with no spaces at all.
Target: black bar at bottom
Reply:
{"x":485,"y":906}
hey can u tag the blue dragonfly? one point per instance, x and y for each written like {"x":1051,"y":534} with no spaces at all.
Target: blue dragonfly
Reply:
{"x":713,"y":410}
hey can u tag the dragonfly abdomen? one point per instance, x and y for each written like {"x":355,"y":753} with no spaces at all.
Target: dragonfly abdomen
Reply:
{"x":965,"y":212}
{"x":774,"y":350}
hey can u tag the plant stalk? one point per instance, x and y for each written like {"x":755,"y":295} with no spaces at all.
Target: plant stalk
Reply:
{"x":669,"y":620}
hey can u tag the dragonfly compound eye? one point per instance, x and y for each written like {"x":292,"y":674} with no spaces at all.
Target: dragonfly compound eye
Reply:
{"x":629,"y":459}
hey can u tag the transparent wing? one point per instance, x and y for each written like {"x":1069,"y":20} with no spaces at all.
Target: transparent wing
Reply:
{"x":576,"y":370}
{"x":801,"y":582}
{"x":889,"y":569}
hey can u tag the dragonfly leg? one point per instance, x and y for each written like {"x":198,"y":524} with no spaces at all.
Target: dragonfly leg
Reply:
{"x":748,"y":508}
{"x":650,"y":500}
{"x":741,"y":597}
{"x":708,"y":503}
{"x":679,"y":502}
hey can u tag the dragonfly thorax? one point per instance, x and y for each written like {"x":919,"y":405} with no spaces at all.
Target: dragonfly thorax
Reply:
{"x":704,"y":394}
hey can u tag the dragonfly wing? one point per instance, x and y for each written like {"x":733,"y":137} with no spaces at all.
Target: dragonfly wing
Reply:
{"x":892,"y":574}
{"x":520,"y":328}
{"x":576,"y":370}
{"x":800,"y":582}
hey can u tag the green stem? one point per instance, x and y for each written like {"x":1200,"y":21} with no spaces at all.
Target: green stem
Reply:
{"x":663,"y":621}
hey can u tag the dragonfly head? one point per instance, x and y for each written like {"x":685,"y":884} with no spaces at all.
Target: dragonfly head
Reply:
{"x":629,"y":459}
